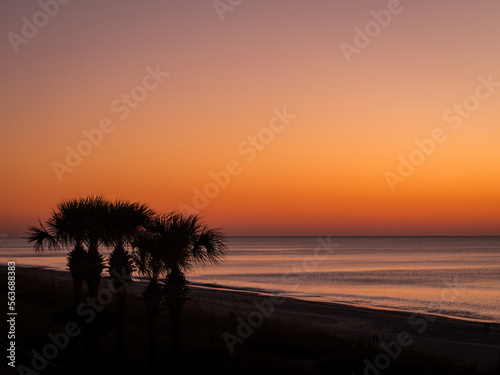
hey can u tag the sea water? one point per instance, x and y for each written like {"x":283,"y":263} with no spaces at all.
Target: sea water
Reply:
{"x":451,"y":276}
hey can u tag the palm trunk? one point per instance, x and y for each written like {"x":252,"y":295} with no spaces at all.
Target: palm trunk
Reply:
{"x":92,"y":288}
{"x":76,"y":264}
{"x":95,"y":265}
{"x":121,"y":309}
{"x":153,"y":340}
{"x":151,"y":297}
{"x":175,"y":336}
{"x":77,"y":292}
{"x":75,"y":341}
{"x":175,"y":290}
{"x":93,"y":326}
{"x":120,"y":268}
{"x":96,"y":351}
{"x":93,"y":279}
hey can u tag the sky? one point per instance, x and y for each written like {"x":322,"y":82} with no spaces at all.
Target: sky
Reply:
{"x":280,"y":117}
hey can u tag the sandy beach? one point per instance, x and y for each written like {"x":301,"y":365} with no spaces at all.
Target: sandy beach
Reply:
{"x":460,"y":340}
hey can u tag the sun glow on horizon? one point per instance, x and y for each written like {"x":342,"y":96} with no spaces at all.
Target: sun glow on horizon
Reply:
{"x":190,"y":97}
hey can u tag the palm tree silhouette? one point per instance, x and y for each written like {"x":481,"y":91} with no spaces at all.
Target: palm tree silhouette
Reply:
{"x":94,"y":211}
{"x":121,"y":225}
{"x":178,"y":242}
{"x":165,"y":248}
{"x":76,"y":222}
{"x":190,"y":242}
{"x":147,"y":247}
{"x":64,"y":228}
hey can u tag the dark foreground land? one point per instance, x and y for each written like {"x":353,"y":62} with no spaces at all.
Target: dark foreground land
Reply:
{"x":298,"y":337}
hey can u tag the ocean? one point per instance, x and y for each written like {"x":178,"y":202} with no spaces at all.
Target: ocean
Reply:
{"x":450,"y":276}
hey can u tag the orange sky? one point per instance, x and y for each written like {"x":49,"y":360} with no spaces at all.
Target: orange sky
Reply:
{"x":323,"y":172}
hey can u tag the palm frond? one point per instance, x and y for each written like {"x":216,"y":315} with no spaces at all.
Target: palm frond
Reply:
{"x":42,"y":239}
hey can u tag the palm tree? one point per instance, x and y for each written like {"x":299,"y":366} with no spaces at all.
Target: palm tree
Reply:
{"x":186,"y":242}
{"x":78,"y":222}
{"x":122,"y":223}
{"x":147,"y":245}
{"x":66,"y":226}
{"x":76,"y":263}
{"x":63,"y":228}
{"x":93,"y":211}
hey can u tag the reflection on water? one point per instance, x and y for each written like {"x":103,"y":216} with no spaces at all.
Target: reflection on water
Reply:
{"x":458,"y":276}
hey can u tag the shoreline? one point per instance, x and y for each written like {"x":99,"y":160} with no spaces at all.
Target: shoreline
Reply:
{"x":264,"y":292}
{"x":229,"y":288}
{"x":461,"y":340}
